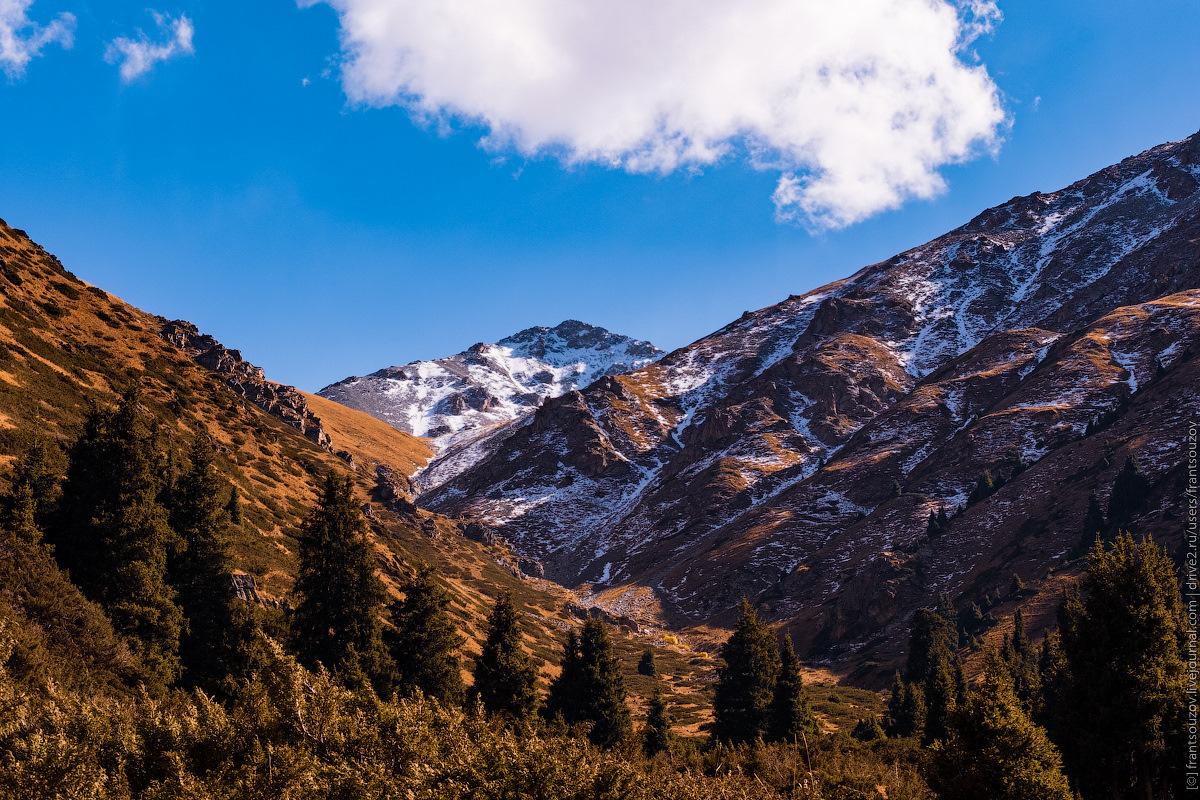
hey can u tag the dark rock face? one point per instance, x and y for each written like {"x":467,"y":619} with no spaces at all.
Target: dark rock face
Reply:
{"x":761,"y":460}
{"x":246,"y":379}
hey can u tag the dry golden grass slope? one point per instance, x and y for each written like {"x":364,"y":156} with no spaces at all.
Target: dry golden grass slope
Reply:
{"x":65,"y":344}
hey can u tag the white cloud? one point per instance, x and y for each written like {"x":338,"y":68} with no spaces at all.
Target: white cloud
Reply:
{"x":856,"y":104}
{"x":138,"y":56}
{"x":21,"y":40}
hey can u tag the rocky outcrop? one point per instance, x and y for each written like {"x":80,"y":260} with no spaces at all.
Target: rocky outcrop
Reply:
{"x":245,"y":379}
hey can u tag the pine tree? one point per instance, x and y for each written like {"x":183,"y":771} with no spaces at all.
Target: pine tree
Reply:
{"x":424,"y":641}
{"x":940,"y":692}
{"x":234,"y":507}
{"x":1093,"y":525}
{"x":658,"y":736}
{"x":341,"y":597}
{"x":113,"y":535}
{"x":746,"y":683}
{"x":868,"y":730}
{"x":646,"y":665}
{"x":1129,"y":494}
{"x":203,"y":573}
{"x":993,"y":750}
{"x":565,"y":699}
{"x":790,"y":715}
{"x":985,"y":486}
{"x":505,"y":680}
{"x":26,"y":510}
{"x":929,"y":637}
{"x":1123,"y":642}
{"x":591,"y":688}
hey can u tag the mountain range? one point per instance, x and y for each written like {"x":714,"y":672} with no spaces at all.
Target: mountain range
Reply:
{"x":794,"y":456}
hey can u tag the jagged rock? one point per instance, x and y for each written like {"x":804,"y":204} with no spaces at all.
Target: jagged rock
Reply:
{"x":245,"y":379}
{"x":478,"y":532}
{"x":393,"y":490}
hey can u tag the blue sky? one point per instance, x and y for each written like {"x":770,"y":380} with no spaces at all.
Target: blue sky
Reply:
{"x":272,"y":180}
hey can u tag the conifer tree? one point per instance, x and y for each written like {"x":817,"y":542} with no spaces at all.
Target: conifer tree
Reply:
{"x":505,"y":680}
{"x":658,"y":736}
{"x":994,"y":750}
{"x":113,"y":535}
{"x":929,"y":637}
{"x":940,"y":694}
{"x":202,"y":573}
{"x":913,"y":711}
{"x":746,"y":682}
{"x":1123,"y":642}
{"x":868,"y":730}
{"x":26,"y":510}
{"x":646,"y":665}
{"x":791,"y":715}
{"x":234,"y":507}
{"x":341,"y":597}
{"x":1129,"y":494}
{"x":424,"y":641}
{"x":1093,"y":525}
{"x":564,"y":700}
{"x":591,"y":688}
{"x":897,"y":724}
{"x":985,"y":486}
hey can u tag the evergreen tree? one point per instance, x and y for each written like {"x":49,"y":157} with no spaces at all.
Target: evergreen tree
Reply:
{"x":203,"y":572}
{"x":985,"y":486}
{"x":658,"y":736}
{"x":943,"y":521}
{"x":591,"y":688}
{"x":929,"y":637}
{"x":505,"y":680}
{"x":945,"y":610}
{"x":994,"y":751}
{"x":646,"y":665}
{"x":565,"y":699}
{"x":234,"y":507}
{"x":790,"y":716}
{"x":940,"y":694}
{"x":868,"y":730}
{"x":1129,"y":494}
{"x":26,"y":510}
{"x":897,"y":724}
{"x":746,"y":683}
{"x":1093,"y":525}
{"x":113,"y":535}
{"x":424,"y":641}
{"x":337,"y":619}
{"x":1123,"y":639}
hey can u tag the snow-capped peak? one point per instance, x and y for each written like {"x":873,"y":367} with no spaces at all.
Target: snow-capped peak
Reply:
{"x":487,"y":383}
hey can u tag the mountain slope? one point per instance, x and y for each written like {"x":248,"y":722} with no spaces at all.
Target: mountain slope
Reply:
{"x":643,"y":479}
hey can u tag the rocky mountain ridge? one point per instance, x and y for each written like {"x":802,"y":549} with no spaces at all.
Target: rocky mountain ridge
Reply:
{"x":452,"y":399}
{"x":730,"y":465}
{"x":245,"y":379}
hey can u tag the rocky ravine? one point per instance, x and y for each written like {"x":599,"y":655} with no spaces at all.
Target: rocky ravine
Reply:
{"x":760,"y":460}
